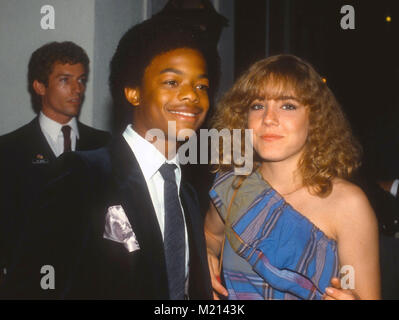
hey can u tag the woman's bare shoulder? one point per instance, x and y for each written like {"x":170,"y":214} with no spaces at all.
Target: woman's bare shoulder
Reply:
{"x":350,"y":204}
{"x":345,"y":191}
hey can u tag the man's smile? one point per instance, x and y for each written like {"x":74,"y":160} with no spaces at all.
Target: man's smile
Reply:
{"x":186,"y":112}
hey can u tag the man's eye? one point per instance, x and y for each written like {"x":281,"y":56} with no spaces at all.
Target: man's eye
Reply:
{"x":288,"y":106}
{"x":63,"y":80}
{"x":203,"y":87}
{"x":83,"y":81}
{"x":172,"y":83}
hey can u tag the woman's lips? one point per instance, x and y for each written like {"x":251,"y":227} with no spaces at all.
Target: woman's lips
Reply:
{"x":270,"y":137}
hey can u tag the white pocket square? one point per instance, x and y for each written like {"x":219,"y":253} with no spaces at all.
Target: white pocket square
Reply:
{"x":118,"y":228}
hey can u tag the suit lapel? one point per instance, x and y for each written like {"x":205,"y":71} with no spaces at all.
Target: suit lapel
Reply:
{"x":133,"y":194}
{"x":83,"y":142}
{"x":199,"y":281}
{"x":189,"y":211}
{"x":39,"y":145}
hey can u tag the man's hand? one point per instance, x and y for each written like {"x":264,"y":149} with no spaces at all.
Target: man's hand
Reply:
{"x":215,"y":276}
{"x":337,"y":293}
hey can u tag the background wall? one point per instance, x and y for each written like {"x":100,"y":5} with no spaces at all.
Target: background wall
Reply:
{"x":21,"y":34}
{"x":112,"y":20}
{"x":95,"y":25}
{"x":226,"y":44}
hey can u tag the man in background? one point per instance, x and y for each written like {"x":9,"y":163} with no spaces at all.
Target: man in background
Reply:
{"x":57,"y":76}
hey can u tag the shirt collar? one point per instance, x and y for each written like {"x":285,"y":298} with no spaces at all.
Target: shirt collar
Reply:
{"x":149,"y":158}
{"x":53,"y":128}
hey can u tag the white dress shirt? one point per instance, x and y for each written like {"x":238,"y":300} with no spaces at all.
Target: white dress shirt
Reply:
{"x":394,"y":188}
{"x":150,"y":159}
{"x":52,"y":131}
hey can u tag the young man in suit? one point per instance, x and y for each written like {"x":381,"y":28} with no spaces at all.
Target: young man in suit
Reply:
{"x":131,"y":227}
{"x":57,"y":76}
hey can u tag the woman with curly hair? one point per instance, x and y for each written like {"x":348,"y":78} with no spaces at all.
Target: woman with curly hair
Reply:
{"x":289,"y":228}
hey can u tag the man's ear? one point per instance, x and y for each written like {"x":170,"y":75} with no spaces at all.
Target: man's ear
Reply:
{"x":133,"y":96}
{"x":39,"y":87}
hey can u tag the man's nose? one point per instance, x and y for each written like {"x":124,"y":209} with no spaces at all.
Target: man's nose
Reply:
{"x":187,"y":92}
{"x":77,"y":87}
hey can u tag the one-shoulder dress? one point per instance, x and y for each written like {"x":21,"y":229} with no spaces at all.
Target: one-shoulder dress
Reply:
{"x":271,"y":251}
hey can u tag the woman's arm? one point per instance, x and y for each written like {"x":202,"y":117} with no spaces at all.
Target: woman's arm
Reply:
{"x":357,"y":237}
{"x":214,"y":235}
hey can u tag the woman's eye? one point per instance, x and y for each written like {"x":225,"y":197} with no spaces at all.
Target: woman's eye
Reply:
{"x":288,"y":106}
{"x":256,"y":107}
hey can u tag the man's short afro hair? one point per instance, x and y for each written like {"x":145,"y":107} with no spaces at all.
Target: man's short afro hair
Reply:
{"x":144,"y":41}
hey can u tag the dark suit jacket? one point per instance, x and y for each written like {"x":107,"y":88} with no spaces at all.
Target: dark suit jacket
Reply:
{"x":86,"y":264}
{"x":25,"y":164}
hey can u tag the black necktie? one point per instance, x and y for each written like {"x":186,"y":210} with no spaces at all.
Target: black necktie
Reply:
{"x":174,"y":236}
{"x":66,"y":131}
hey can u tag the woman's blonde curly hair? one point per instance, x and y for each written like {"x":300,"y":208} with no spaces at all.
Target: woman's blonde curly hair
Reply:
{"x":330,"y":151}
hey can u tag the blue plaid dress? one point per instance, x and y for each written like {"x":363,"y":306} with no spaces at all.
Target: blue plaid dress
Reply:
{"x":271,"y":250}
